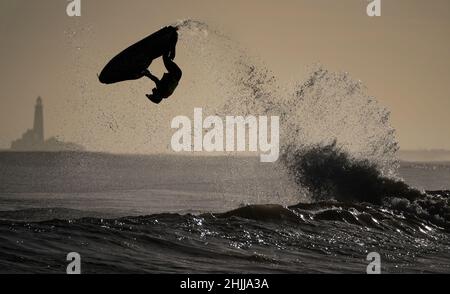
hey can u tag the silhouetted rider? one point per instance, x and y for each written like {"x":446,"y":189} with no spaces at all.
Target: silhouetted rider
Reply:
{"x":168,"y":83}
{"x":133,"y":63}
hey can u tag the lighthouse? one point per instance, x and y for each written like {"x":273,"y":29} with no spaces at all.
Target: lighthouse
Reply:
{"x":33,"y":139}
{"x":38,"y":127}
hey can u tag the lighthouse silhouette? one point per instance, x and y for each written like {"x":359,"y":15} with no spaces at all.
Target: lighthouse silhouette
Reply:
{"x":34,"y":139}
{"x":38,"y":127}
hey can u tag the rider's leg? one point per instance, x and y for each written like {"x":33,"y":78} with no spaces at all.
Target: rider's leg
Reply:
{"x":171,"y":66}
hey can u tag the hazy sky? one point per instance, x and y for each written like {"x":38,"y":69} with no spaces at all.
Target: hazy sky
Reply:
{"x":403,"y":57}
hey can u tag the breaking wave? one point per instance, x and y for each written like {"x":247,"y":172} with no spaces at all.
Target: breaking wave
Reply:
{"x":337,"y":142}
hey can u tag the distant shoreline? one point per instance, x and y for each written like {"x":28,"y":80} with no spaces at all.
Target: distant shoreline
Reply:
{"x":432,"y":155}
{"x":412,"y":156}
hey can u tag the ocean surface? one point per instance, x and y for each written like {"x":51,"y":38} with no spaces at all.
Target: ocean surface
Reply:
{"x":179,"y":214}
